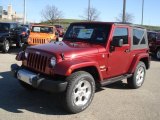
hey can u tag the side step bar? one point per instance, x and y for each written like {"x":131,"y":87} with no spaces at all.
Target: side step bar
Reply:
{"x":115,"y":79}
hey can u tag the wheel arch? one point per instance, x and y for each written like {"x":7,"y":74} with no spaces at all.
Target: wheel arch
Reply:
{"x":140,"y":57}
{"x":91,"y":70}
{"x":74,"y":66}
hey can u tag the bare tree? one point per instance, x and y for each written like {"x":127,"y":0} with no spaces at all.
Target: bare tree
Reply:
{"x":51,"y":14}
{"x":91,"y":15}
{"x":128,"y":17}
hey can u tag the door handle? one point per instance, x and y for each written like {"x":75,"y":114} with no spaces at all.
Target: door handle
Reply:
{"x":127,"y":51}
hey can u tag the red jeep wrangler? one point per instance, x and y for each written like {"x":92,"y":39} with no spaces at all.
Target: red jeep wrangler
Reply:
{"x":90,"y":55}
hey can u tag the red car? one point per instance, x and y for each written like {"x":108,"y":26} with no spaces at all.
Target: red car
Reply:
{"x":91,"y":54}
{"x":60,"y":30}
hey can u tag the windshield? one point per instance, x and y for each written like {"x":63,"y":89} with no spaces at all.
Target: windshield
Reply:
{"x":4,"y":27}
{"x":58,"y":26}
{"x":88,"y":32}
{"x":42,"y":29}
{"x":20,"y":29}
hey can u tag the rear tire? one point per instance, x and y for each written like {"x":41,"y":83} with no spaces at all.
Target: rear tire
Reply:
{"x":138,"y":77}
{"x":158,"y":54}
{"x":6,"y":46}
{"x":26,"y":86}
{"x":80,"y":91}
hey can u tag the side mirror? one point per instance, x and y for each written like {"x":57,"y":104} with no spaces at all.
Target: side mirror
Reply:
{"x":117,"y":42}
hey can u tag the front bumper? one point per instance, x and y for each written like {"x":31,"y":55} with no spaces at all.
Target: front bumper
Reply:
{"x":38,"y":81}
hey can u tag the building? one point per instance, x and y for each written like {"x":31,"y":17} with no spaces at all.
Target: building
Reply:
{"x":10,"y":14}
{"x":1,"y":11}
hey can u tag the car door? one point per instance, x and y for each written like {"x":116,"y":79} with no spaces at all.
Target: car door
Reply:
{"x":118,"y":61}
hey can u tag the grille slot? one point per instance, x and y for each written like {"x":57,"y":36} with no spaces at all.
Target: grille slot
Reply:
{"x":38,"y":41}
{"x":37,"y":62}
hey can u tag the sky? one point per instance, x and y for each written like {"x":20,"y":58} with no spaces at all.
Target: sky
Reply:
{"x":73,"y":9}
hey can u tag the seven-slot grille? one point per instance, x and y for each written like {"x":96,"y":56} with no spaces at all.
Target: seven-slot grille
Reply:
{"x":37,"y":61}
{"x":38,"y":41}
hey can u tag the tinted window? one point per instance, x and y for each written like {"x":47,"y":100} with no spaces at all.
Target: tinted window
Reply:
{"x":138,"y":36}
{"x":121,"y":33}
{"x":13,"y":26}
{"x":21,"y":28}
{"x":42,"y":29}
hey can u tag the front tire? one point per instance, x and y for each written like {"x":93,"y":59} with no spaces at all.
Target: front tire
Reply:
{"x":138,"y":77}
{"x":80,"y":91}
{"x":6,"y":46}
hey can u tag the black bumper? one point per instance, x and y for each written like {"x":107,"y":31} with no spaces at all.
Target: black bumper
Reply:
{"x":40,"y":82}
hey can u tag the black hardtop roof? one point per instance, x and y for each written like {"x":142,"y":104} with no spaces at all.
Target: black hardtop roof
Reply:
{"x":112,"y":23}
{"x":152,"y":31}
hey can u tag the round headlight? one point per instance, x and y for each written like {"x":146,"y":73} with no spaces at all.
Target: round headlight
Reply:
{"x":53,"y":61}
{"x":26,"y":55}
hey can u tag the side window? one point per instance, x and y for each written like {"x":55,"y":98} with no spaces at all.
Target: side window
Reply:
{"x":121,"y":33}
{"x":138,"y":37}
{"x":13,"y":26}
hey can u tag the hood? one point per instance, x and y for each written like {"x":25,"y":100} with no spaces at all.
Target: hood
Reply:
{"x":40,"y":35}
{"x":69,"y":49}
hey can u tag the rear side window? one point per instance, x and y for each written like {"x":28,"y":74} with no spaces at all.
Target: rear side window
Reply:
{"x":138,"y":37}
{"x":121,"y":33}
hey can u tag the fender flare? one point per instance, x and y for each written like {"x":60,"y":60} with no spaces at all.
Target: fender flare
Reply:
{"x":136,"y":60}
{"x":66,"y":68}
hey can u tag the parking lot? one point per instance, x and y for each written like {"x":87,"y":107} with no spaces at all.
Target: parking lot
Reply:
{"x":113,"y":102}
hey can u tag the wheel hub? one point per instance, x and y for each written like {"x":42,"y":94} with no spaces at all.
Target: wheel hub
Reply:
{"x":81,"y":93}
{"x":140,"y":76}
{"x":7,"y":46}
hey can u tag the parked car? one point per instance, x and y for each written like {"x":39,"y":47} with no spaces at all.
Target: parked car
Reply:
{"x":20,"y":34}
{"x":91,"y":55}
{"x":42,"y":34}
{"x":60,"y":30}
{"x":154,"y":43}
{"x":6,"y":29}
